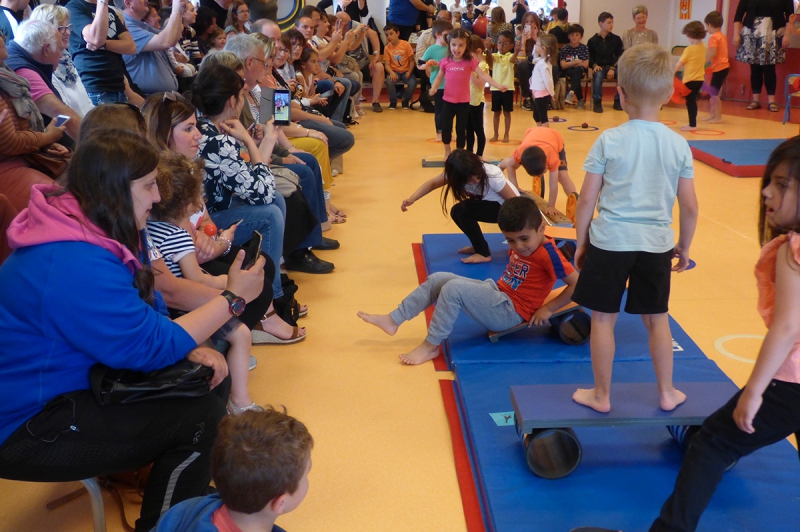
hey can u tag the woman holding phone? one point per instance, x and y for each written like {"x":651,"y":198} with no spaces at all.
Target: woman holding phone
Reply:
{"x":531,"y":27}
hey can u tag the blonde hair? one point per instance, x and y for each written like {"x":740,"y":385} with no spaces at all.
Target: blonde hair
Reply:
{"x":645,"y":74}
{"x":550,"y":44}
{"x":224,"y":58}
{"x":639,"y":9}
{"x":56,"y":15}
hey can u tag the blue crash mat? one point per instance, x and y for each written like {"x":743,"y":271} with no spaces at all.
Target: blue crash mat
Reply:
{"x":626,"y":472}
{"x":469,"y":344}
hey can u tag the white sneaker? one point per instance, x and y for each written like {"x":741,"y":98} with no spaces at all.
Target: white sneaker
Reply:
{"x":570,"y":98}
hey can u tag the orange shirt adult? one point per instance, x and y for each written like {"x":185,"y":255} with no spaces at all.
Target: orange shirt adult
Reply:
{"x":720,"y":60}
{"x":549,"y":140}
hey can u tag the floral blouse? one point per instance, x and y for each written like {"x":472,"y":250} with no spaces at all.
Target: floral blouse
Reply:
{"x":228,"y":173}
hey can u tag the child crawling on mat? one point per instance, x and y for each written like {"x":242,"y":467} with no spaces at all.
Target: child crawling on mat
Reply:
{"x":534,"y":264}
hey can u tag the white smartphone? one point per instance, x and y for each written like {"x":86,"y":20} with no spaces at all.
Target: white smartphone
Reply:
{"x":61,"y":120}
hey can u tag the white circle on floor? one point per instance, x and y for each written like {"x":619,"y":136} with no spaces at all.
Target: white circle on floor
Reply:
{"x":719,"y":345}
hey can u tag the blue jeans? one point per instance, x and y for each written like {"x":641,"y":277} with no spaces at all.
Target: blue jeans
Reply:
{"x":597,"y":84}
{"x":269,"y":220}
{"x":411,"y":83}
{"x":310,"y":176}
{"x":341,"y":108}
{"x":98,"y":98}
{"x":340,"y":141}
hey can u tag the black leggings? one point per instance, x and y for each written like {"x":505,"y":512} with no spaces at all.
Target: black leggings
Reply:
{"x":438,"y":105}
{"x":459,"y":111}
{"x":540,"y":106}
{"x":467,"y":214}
{"x":691,"y":100}
{"x":175,"y":435}
{"x":475,"y":129}
{"x":765,"y":73}
{"x":523,"y":71}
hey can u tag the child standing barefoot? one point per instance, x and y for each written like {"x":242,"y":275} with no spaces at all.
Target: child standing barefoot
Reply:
{"x":634,"y":173}
{"x":767,"y":409}
{"x":502,"y":63}
{"x":479,"y":190}
{"x":533,"y":267}
{"x":693,"y":60}
{"x":457,"y":69}
{"x":477,"y":99}
{"x":717,"y":55}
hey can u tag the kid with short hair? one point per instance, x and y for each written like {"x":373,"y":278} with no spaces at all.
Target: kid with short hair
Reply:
{"x":573,"y":59}
{"x":535,"y":263}
{"x":542,"y":85}
{"x":398,"y":57}
{"x":717,"y":55}
{"x":260,"y":464}
{"x":693,"y":62}
{"x":605,"y":49}
{"x":634,"y":173}
{"x":502,"y":63}
{"x":436,"y":52}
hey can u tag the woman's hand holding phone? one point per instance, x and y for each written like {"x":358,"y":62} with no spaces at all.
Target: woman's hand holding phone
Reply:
{"x":246,"y":284}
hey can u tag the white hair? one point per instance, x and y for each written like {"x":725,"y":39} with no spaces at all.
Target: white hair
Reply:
{"x":244,"y":46}
{"x":33,"y":34}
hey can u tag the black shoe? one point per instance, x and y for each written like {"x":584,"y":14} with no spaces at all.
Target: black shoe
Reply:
{"x":527,"y":104}
{"x":328,"y":244}
{"x":306,"y":262}
{"x":598,"y":106}
{"x":617,"y":105}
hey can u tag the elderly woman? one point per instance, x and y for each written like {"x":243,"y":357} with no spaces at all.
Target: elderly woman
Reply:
{"x":78,"y":291}
{"x":65,"y":75}
{"x":531,"y":27}
{"x":761,"y":34}
{"x":639,"y":34}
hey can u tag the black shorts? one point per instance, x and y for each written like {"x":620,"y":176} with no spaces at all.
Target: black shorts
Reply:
{"x":601,"y":283}
{"x":718,"y":78}
{"x":562,"y":157}
{"x":502,"y":101}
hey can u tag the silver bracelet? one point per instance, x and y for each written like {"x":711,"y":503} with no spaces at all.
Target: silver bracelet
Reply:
{"x":228,"y":242}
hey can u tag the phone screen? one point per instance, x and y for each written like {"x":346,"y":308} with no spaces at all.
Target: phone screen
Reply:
{"x":283,"y":100}
{"x":61,"y":120}
{"x":267,"y":106}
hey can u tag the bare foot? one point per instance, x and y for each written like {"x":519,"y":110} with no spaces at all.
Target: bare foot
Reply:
{"x":707,"y":118}
{"x":505,"y":139}
{"x":469,"y":250}
{"x":714,"y":120}
{"x":422,"y":353}
{"x":476,"y":259}
{"x":670,"y":400}
{"x":438,"y":137}
{"x":381,"y":321}
{"x":277,"y":327}
{"x":493,"y":139}
{"x":592,"y":400}
{"x":688,"y":128}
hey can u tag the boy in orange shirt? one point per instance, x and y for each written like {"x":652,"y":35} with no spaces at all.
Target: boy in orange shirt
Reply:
{"x":717,"y":55}
{"x":398,"y":57}
{"x":543,"y":149}
{"x":534,"y":265}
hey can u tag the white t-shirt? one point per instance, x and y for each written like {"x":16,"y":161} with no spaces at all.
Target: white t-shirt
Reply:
{"x":640,"y":162}
{"x":497,"y":182}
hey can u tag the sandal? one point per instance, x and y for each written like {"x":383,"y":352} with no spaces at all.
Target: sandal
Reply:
{"x":335,"y":210}
{"x":335,"y":218}
{"x":752,"y":106}
{"x":262,"y":337}
{"x":773,"y":107}
{"x":235,"y":410}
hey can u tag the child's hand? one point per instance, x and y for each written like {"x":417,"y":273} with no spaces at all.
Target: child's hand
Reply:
{"x":683,"y":259}
{"x":339,"y":88}
{"x":541,"y":317}
{"x":432,"y":92}
{"x":392,"y":75}
{"x":179,"y":70}
{"x":580,"y":256}
{"x":406,"y":204}
{"x":228,"y":233}
{"x":318,"y":100}
{"x":432,"y":63}
{"x":502,"y":88}
{"x":550,"y":211}
{"x":610,"y":74}
{"x":746,"y":409}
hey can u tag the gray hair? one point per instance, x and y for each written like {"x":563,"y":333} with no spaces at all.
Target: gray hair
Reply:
{"x":244,"y":46}
{"x":57,"y":15}
{"x":32,"y":35}
{"x":639,"y":9}
{"x":228,"y":59}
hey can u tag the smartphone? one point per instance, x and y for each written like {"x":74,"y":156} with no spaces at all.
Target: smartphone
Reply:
{"x":251,"y":250}
{"x":237,"y":222}
{"x":267,"y":106}
{"x":282,"y":111}
{"x":61,"y":120}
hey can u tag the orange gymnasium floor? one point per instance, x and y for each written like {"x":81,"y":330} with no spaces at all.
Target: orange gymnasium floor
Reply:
{"x":383,"y":459}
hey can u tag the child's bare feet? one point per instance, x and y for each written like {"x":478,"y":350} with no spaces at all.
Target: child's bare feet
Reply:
{"x":382,"y":321}
{"x":672,"y":399}
{"x":688,"y":128}
{"x":420,"y":354}
{"x":493,"y":139}
{"x":707,"y":118}
{"x":476,"y":259}
{"x":438,"y":137}
{"x":591,"y":399}
{"x":469,"y":250}
{"x":714,"y":120}
{"x":505,"y":139}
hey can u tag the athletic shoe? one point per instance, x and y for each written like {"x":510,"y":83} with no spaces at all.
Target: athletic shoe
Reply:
{"x":405,"y":106}
{"x":527,"y":104}
{"x":581,"y":105}
{"x":617,"y":105}
{"x":572,"y":205}
{"x":392,"y":106}
{"x":570,"y":98}
{"x":376,"y":108}
{"x":598,"y":106}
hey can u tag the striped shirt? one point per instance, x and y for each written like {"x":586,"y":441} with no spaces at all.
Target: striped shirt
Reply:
{"x":172,"y":241}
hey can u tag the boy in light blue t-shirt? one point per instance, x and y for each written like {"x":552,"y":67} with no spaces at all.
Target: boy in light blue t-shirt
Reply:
{"x":435,"y":53}
{"x":634,"y":173}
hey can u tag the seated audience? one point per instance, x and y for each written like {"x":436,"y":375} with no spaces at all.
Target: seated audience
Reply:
{"x":204,"y":25}
{"x":238,"y":19}
{"x":574,"y":62}
{"x":639,"y":34}
{"x":10,"y":16}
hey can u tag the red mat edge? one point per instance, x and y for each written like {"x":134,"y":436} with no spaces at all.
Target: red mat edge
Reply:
{"x":466,"y":481}
{"x":439,"y":363}
{"x":750,"y":170}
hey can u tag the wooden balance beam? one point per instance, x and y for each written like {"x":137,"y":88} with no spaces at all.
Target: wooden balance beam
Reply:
{"x":437,"y":161}
{"x":545,"y":415}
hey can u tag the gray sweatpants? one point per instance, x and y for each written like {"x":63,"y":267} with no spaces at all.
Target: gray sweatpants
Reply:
{"x":480,"y":300}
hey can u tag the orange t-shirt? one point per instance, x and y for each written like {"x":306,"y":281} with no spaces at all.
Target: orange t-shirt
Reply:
{"x":400,"y":56}
{"x":720,"y":60}
{"x":529,"y":280}
{"x":549,"y":140}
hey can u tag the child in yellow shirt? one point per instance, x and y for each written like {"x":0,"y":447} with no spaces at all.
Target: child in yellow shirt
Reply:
{"x":502,"y":64}
{"x":693,"y":61}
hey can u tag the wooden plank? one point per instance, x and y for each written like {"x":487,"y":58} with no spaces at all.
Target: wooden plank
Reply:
{"x":558,"y":220}
{"x":561,"y":233}
{"x":551,"y":405}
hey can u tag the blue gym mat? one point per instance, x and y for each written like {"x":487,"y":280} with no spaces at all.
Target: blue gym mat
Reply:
{"x":469,"y":344}
{"x":739,"y":158}
{"x":626,"y":473}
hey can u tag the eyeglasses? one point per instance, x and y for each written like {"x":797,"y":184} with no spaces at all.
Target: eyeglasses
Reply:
{"x":281,"y":51}
{"x":243,"y":12}
{"x":64,"y":29}
{"x":263,"y":61}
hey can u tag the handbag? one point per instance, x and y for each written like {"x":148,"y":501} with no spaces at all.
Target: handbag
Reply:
{"x":49,"y":165}
{"x":286,"y":181}
{"x":119,"y":386}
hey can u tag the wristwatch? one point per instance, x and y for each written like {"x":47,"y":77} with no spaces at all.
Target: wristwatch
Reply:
{"x":235,"y":303}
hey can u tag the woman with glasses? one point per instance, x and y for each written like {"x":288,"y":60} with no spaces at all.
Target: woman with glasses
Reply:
{"x":238,"y":19}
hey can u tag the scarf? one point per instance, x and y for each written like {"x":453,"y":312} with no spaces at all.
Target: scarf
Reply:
{"x":19,"y":90}
{"x":66,"y":71}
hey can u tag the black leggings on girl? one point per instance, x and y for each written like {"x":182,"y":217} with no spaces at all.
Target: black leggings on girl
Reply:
{"x":475,"y":129}
{"x":763,"y":74}
{"x":691,"y":100}
{"x":459,"y":111}
{"x":467,"y":214}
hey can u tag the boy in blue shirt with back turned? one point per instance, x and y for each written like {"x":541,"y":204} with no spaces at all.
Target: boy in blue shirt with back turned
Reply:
{"x":634,"y":173}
